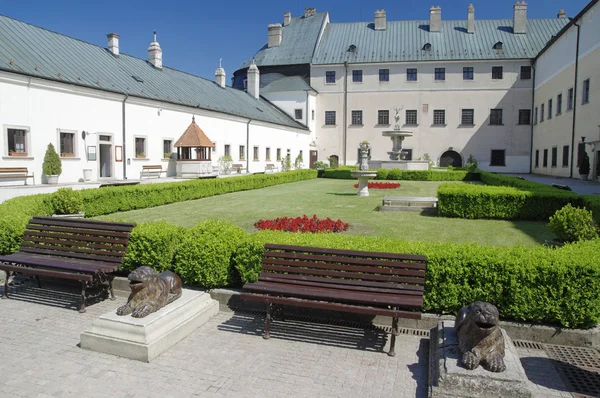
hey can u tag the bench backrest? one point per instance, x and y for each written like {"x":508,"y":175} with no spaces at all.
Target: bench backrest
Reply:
{"x":88,"y":240}
{"x":13,"y":170}
{"x":153,"y":167}
{"x":360,"y":270}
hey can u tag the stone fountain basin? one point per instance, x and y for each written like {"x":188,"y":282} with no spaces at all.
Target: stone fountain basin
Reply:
{"x":397,"y":133}
{"x":363,"y":173}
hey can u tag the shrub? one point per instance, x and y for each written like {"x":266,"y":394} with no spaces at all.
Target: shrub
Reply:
{"x":153,"y":244}
{"x":52,"y":164}
{"x":204,"y":255}
{"x":584,"y":166}
{"x":381,"y":185}
{"x":302,"y":224}
{"x":298,"y":162}
{"x":382,"y":174}
{"x":471,"y":163}
{"x":341,"y":173}
{"x":67,"y":201}
{"x":319,"y":164}
{"x":571,"y":224}
{"x":14,"y":214}
{"x":394,"y":174}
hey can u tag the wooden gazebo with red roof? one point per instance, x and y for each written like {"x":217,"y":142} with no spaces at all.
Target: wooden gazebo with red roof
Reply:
{"x":193,"y":152}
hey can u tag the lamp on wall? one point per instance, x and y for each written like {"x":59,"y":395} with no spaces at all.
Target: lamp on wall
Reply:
{"x":582,"y":139}
{"x":83,"y":134}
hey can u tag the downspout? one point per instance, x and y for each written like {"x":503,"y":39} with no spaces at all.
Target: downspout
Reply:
{"x":124,"y":152}
{"x":532,"y":117}
{"x":248,"y":145}
{"x":345,"y":109}
{"x":574,"y":101}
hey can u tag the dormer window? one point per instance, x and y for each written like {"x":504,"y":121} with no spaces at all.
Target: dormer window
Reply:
{"x":498,"y":46}
{"x":427,"y":47}
{"x":352,"y":48}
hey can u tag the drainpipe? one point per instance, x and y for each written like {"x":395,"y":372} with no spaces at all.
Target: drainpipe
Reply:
{"x":248,"y":146}
{"x":345,"y":109}
{"x":532,"y":117}
{"x":124,"y":152}
{"x":574,"y":101}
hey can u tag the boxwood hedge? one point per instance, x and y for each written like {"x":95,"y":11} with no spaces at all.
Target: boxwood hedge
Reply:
{"x":345,"y":173}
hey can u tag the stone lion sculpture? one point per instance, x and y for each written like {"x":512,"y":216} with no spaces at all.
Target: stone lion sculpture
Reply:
{"x":480,"y":338}
{"x":150,"y":291}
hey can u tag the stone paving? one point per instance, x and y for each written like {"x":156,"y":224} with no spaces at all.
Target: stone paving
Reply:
{"x":226,"y":357}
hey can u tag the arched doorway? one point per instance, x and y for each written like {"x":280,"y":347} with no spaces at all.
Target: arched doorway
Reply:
{"x":451,"y":158}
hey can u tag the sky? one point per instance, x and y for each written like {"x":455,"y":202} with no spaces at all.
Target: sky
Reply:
{"x":195,"y":35}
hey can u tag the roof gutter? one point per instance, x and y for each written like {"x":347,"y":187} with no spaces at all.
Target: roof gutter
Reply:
{"x":124,"y":152}
{"x":574,"y":99}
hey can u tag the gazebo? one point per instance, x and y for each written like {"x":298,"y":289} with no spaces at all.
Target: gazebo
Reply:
{"x":193,"y":153}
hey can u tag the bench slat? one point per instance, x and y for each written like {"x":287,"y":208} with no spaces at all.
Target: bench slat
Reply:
{"x":84,"y":245}
{"x":59,"y":262}
{"x":294,"y":270}
{"x":344,"y":267}
{"x":345,"y":260}
{"x":72,"y":238}
{"x":46,"y":272}
{"x":83,"y":224}
{"x":70,"y":253}
{"x":353,"y":253}
{"x":405,"y":284}
{"x":113,"y":254}
{"x":38,"y":227}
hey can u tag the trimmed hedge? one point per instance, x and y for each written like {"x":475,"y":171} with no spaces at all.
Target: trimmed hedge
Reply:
{"x":340,"y":173}
{"x":345,"y":173}
{"x":14,"y":214}
{"x":153,"y":244}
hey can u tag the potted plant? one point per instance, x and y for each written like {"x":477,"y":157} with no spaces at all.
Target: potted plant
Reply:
{"x":584,"y":167}
{"x":52,"y":166}
{"x":67,"y":155}
{"x":167,"y":155}
{"x":140,"y":155}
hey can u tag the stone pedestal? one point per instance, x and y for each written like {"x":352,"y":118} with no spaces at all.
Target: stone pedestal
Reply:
{"x":363,"y":181}
{"x":448,"y":379}
{"x":143,"y":339}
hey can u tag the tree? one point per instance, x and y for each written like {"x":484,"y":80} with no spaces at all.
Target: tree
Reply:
{"x":52,"y":165}
{"x":584,"y":166}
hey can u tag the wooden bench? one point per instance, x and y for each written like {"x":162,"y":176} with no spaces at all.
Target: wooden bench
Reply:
{"x":152,"y":171}
{"x":118,"y":184}
{"x":20,"y":173}
{"x":341,"y":280}
{"x":561,"y":186}
{"x":270,"y":167}
{"x":238,"y":167}
{"x":87,"y":251}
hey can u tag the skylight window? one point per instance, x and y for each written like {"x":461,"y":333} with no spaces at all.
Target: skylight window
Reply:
{"x":427,"y":47}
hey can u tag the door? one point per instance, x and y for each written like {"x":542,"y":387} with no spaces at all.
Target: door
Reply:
{"x":451,"y":158}
{"x":105,"y":159}
{"x":313,"y":159}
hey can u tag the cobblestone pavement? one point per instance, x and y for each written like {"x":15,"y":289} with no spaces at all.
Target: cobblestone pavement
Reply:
{"x":40,"y":331}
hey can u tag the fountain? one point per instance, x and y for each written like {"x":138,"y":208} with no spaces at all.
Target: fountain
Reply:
{"x":363,"y":173}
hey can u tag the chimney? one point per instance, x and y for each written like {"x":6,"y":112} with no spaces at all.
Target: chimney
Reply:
{"x":275,"y":34}
{"x":220,"y":75}
{"x":308,"y":12}
{"x":520,"y":17}
{"x":155,"y":53}
{"x":253,"y":81}
{"x":435,"y":19}
{"x":471,"y":19}
{"x":561,"y":14}
{"x":380,"y":20}
{"x":287,"y":18}
{"x":113,"y":43}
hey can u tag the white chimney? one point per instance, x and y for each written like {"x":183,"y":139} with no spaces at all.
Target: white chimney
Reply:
{"x":275,"y":34}
{"x":155,"y":53}
{"x":561,"y":14}
{"x":309,"y":12}
{"x":435,"y":19}
{"x":520,"y":17}
{"x":220,"y":75}
{"x":380,"y":20}
{"x":471,"y":19}
{"x":287,"y":18}
{"x":253,"y":81}
{"x":113,"y":43}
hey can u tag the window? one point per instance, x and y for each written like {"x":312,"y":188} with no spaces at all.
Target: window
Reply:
{"x":167,"y":148}
{"x":268,"y":154}
{"x":440,"y":74}
{"x":67,"y":144}
{"x":384,"y":75}
{"x":565,"y":158}
{"x":140,"y":147}
{"x":242,"y":154}
{"x":570,"y":99}
{"x":542,"y":113}
{"x":357,"y":76}
{"x":357,"y":118}
{"x":330,"y":118}
{"x":467,"y":117}
{"x":411,"y":117}
{"x":545,"y":158}
{"x":525,"y":72}
{"x":298,"y":114}
{"x":498,"y":46}
{"x":537,"y":158}
{"x":498,"y":157}
{"x":383,"y":117}
{"x":496,"y":117}
{"x":496,"y":72}
{"x":278,"y":154}
{"x":585,"y":94}
{"x":411,"y":74}
{"x":17,"y":142}
{"x":227,"y":150}
{"x":558,"y":104}
{"x":554,"y":156}
{"x":468,"y":73}
{"x":439,"y":117}
{"x":524,"y":116}
{"x":255,"y":154}
{"x":535,"y":115}
{"x":550,"y":108}
{"x":330,"y":77}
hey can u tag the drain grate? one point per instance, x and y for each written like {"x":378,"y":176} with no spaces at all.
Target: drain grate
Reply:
{"x":531,"y":345}
{"x":579,"y":368}
{"x":577,"y":356}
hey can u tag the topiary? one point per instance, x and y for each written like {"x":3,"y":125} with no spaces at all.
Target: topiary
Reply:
{"x":67,"y":201}
{"x":52,"y":165}
{"x":382,"y":174}
{"x":584,"y":166}
{"x":153,"y":244}
{"x":571,"y":224}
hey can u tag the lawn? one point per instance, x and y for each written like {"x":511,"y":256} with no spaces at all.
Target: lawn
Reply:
{"x":337,"y":199}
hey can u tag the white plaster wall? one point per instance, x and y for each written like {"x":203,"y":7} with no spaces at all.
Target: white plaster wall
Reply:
{"x":264,"y":136}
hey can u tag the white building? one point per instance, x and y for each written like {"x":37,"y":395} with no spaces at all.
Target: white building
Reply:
{"x":111,"y":113}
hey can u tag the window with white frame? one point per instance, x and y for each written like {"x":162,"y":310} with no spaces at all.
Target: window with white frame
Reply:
{"x":17,"y":141}
{"x":497,"y":72}
{"x":227,"y":150}
{"x":535,"y":115}
{"x":278,"y":154}
{"x":411,"y":117}
{"x":440,"y":74}
{"x":558,"y":104}
{"x":384,"y":75}
{"x":439,"y":117}
{"x":542,"y":110}
{"x":255,"y":154}
{"x":570,"y":99}
{"x":525,"y":72}
{"x":167,"y":148}
{"x":330,"y":77}
{"x":565,"y":156}
{"x":330,"y":118}
{"x":140,"y":147}
{"x":242,"y":152}
{"x":554,"y":157}
{"x":550,"y":108}
{"x":357,"y":118}
{"x":357,"y":76}
{"x":537,"y":158}
{"x":468,"y":73}
{"x":524,"y":116}
{"x":268,"y":154}
{"x":467,"y":117}
{"x":496,"y":117}
{"x":67,"y":144}
{"x":585,"y":94}
{"x":411,"y":74}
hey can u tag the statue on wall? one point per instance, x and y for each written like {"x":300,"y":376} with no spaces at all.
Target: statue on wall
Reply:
{"x":150,"y":291}
{"x":480,"y":339}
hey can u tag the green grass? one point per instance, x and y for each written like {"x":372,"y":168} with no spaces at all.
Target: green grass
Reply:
{"x":338,"y":199}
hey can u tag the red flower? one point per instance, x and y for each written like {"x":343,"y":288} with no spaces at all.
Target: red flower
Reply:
{"x":302,"y":224}
{"x":381,"y":185}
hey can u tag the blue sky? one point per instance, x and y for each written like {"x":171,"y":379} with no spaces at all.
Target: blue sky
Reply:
{"x":195,"y":35}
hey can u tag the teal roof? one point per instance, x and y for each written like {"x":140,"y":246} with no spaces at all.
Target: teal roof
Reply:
{"x":297,"y":44}
{"x":285,"y":84}
{"x":33,"y":51}
{"x":404,"y":41}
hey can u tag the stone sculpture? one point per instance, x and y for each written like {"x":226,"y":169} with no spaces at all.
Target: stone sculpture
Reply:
{"x":150,"y":291}
{"x":480,"y":339}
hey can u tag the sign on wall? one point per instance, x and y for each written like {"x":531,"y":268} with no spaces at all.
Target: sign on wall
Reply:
{"x":91,"y":152}
{"x":118,"y":153}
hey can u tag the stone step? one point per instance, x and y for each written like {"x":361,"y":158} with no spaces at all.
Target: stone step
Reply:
{"x":409,"y":203}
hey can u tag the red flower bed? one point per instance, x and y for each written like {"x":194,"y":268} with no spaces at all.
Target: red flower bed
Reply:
{"x":302,"y":224}
{"x":381,"y":185}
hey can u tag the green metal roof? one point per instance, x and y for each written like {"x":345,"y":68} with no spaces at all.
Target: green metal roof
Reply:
{"x":34,"y":51}
{"x":404,"y":41}
{"x":288,"y":83}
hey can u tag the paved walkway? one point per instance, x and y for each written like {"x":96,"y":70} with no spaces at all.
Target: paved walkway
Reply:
{"x":581,"y":187}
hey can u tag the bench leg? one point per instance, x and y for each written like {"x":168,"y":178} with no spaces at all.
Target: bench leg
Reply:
{"x":38,"y":281}
{"x":267,"y":334}
{"x":392,"y":351}
{"x":110,"y":287}
{"x":5,"y":295}
{"x":82,"y":307}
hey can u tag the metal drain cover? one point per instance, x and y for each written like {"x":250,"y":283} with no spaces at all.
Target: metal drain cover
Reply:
{"x":579,"y":368}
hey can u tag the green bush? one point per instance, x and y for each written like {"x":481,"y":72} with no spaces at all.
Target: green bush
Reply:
{"x":204,"y":256}
{"x":382,"y":174}
{"x":539,"y":284}
{"x":14,"y":214}
{"x":340,"y":173}
{"x":584,"y":166}
{"x":571,"y":224}
{"x":153,"y":244}
{"x":394,"y":174}
{"x":67,"y":201}
{"x":52,"y":164}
